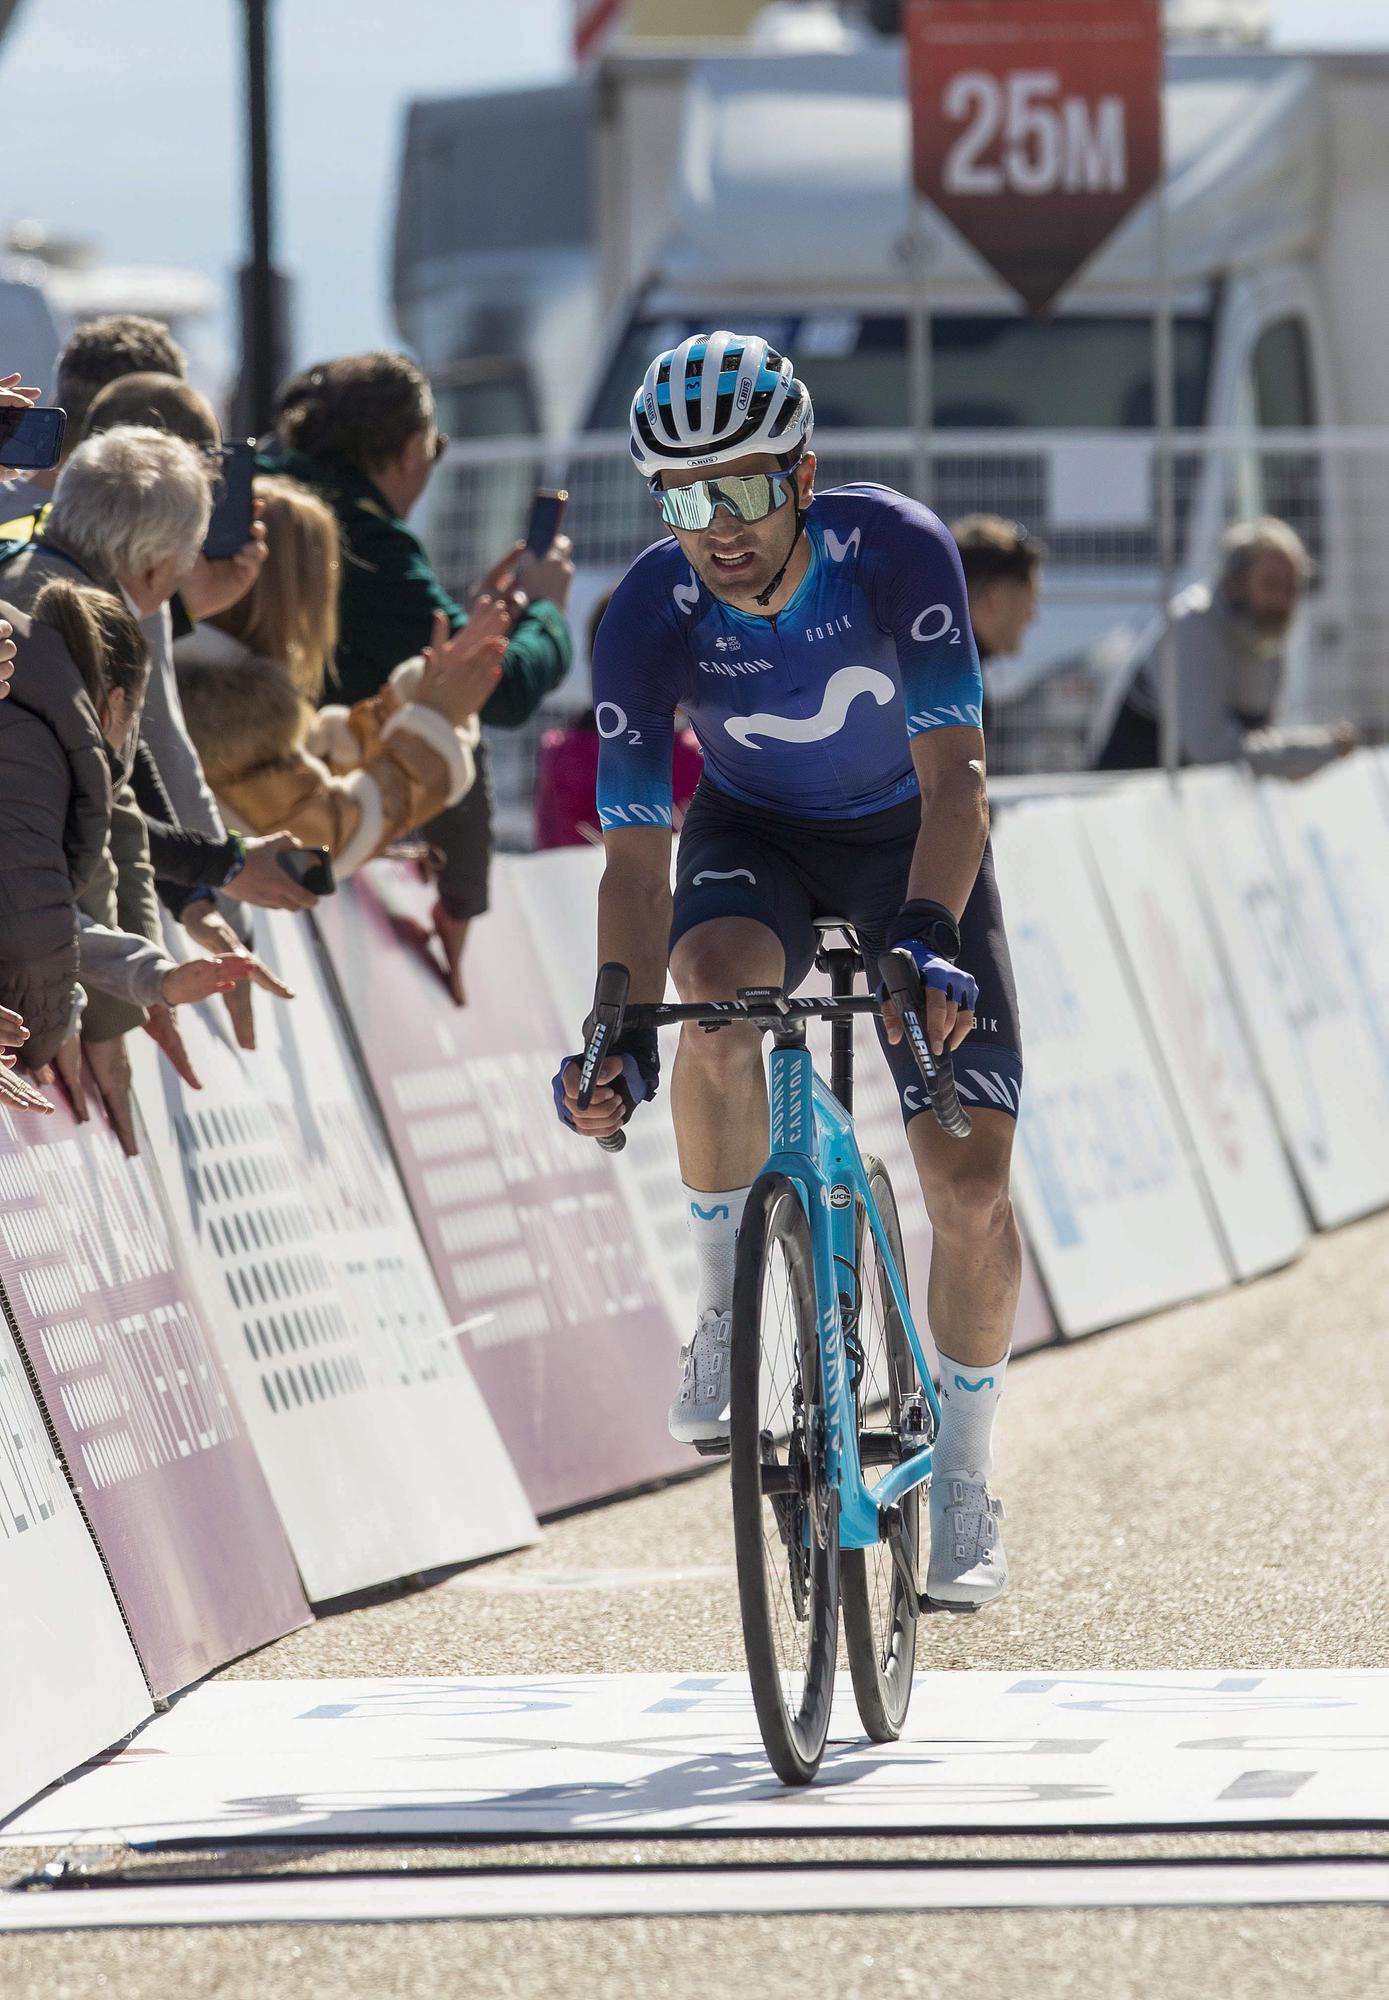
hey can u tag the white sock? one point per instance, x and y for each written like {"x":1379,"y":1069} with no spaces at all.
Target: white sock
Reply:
{"x":968,"y":1405}
{"x":712,"y":1220}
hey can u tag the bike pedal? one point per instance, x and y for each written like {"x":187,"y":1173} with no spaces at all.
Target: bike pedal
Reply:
{"x":925,"y":1603}
{"x":712,"y":1447}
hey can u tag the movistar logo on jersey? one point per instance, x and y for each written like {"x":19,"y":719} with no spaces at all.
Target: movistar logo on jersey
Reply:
{"x":842,"y":690}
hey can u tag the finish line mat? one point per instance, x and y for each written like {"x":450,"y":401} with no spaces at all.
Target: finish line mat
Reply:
{"x":633,"y":1754}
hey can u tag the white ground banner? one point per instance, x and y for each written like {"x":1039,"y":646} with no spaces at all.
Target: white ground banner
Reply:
{"x":1291,"y":977}
{"x":380,"y":1453}
{"x":1135,"y":837}
{"x":1112,"y":1204}
{"x":70,"y":1683}
{"x":631,"y":1754}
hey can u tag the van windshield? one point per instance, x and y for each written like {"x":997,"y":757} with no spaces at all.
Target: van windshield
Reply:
{"x":989,"y":371}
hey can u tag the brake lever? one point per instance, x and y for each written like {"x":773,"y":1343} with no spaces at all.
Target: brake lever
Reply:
{"x":603,"y":1027}
{"x":901,"y":976}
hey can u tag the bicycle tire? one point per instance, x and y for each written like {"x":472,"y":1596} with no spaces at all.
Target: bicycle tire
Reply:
{"x":786,"y":1542}
{"x":880,"y":1627}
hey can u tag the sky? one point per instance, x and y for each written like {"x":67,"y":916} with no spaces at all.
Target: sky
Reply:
{"x":121,"y":122}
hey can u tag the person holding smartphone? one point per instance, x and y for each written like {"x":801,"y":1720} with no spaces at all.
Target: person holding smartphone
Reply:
{"x":361,"y":431}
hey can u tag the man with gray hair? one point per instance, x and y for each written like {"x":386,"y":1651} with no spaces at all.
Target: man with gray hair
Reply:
{"x":1231,"y":641}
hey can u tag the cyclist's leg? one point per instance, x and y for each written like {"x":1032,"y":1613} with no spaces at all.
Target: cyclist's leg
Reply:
{"x":976,"y":1258}
{"x":737,"y":921}
{"x":741,"y":918}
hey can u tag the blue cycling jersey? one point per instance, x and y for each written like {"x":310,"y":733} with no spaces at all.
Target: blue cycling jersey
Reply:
{"x":809,"y":713}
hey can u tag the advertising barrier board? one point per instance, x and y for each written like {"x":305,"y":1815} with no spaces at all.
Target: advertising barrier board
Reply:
{"x":375,"y":1441}
{"x":1289,"y":973}
{"x":1134,"y":833}
{"x":1114,"y":1209}
{"x":531,"y":1241}
{"x":154,"y":1442}
{"x":1334,"y":838}
{"x":70,"y":1683}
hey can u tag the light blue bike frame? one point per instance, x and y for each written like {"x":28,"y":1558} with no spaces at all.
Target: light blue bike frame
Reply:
{"x":813,"y":1144}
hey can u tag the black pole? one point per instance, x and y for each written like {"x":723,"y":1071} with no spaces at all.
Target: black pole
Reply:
{"x":259,"y":304}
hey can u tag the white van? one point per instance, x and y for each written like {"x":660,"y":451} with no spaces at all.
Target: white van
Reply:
{"x":768,"y":192}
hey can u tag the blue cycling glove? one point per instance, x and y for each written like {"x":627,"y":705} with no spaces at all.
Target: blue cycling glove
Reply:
{"x":638,"y":1079}
{"x":929,"y":932}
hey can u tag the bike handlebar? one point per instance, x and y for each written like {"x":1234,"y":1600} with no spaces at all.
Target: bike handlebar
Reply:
{"x":771,"y":1008}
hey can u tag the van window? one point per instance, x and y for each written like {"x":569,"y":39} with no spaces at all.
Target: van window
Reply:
{"x":1278,"y":395}
{"x":1280,"y":372}
{"x":989,"y":371}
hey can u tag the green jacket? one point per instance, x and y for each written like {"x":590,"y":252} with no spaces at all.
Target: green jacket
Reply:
{"x":389,"y":594}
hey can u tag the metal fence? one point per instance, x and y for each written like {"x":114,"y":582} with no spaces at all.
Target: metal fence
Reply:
{"x":1090,"y":496}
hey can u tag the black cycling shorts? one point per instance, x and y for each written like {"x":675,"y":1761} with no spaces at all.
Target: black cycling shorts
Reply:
{"x":736,"y":860}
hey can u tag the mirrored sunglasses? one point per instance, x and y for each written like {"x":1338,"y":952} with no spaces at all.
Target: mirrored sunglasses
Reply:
{"x":750,"y":497}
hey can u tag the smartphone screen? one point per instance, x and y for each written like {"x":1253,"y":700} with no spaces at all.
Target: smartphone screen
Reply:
{"x":547,"y":512}
{"x":310,"y":867}
{"x":31,"y":440}
{"x":232,"y":512}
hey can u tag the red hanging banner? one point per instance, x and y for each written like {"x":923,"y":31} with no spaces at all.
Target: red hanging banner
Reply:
{"x":1036,"y":126}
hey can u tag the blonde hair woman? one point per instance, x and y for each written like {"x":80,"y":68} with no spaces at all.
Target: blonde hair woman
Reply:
{"x":351,"y":780}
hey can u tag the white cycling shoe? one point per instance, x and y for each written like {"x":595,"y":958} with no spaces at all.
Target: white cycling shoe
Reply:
{"x":699,"y":1414}
{"x":967,"y":1566}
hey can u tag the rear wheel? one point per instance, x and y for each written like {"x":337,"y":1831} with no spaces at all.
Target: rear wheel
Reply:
{"x":785,"y":1518}
{"x":880,"y":1609}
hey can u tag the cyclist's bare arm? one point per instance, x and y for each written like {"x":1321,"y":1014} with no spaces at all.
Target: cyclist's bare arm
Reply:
{"x":954,"y":816}
{"x":634,"y":904}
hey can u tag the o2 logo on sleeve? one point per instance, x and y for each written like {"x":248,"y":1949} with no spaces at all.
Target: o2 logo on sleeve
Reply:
{"x":934,"y":623}
{"x":612,"y":723}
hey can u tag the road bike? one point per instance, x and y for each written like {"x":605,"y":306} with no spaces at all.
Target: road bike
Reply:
{"x":832,"y":1410}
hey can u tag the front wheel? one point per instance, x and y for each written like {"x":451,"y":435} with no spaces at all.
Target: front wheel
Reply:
{"x":785,"y":1517}
{"x":880,"y":1611}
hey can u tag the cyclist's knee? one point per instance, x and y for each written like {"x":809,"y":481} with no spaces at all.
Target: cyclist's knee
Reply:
{"x":714,"y":959}
{"x":969,"y":1198}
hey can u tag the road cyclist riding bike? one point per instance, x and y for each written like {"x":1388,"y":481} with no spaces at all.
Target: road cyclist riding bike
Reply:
{"x":820,"y":646}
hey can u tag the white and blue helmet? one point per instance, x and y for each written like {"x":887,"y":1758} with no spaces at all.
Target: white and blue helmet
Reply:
{"x":717,"y":397}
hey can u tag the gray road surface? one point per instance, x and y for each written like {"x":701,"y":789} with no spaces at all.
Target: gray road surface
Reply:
{"x":1205,"y":1490}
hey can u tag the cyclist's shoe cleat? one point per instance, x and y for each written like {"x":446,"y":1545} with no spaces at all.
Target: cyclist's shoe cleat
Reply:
{"x":699,"y":1414}
{"x":967,"y":1566}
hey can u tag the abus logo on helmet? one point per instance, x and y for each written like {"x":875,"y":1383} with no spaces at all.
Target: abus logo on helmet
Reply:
{"x":744,"y":395}
{"x":650,"y":400}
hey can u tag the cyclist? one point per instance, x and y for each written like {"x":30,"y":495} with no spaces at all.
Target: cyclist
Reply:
{"x":820,"y":646}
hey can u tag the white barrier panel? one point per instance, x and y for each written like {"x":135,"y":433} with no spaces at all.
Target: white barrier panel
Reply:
{"x":70,"y":1683}
{"x":1334,"y":836}
{"x":558,"y":891}
{"x":1135,"y":837}
{"x":1288,"y":969}
{"x":1113,"y":1207}
{"x":379,"y":1451}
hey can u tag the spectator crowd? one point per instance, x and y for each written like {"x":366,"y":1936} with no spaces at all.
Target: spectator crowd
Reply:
{"x":186,"y":736}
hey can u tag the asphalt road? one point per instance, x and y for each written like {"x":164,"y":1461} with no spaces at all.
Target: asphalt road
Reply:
{"x":1205,"y":1490}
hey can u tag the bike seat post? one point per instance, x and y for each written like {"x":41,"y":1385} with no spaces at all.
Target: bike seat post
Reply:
{"x":842,"y":966}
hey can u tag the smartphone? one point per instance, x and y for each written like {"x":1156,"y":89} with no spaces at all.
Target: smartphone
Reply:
{"x":229,"y":530}
{"x":32,"y":440}
{"x":547,"y":513}
{"x":310,"y":867}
